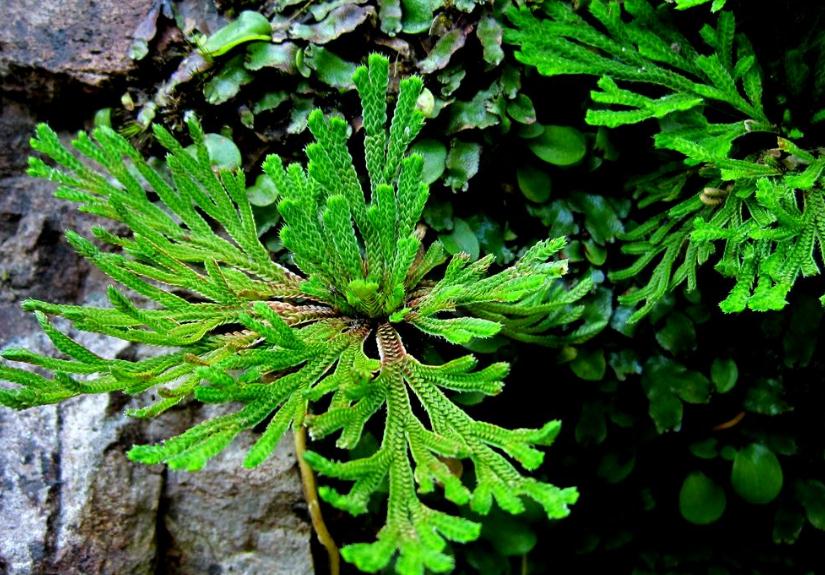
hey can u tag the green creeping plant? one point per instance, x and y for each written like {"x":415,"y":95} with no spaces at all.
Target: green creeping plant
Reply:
{"x":246,"y":330}
{"x":763,"y":214}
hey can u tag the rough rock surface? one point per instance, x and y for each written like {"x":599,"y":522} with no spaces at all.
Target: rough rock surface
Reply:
{"x":70,"y":501}
{"x":220,"y":519}
{"x":82,"y":40}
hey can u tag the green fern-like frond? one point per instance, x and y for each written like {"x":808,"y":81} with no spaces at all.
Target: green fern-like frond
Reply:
{"x":288,"y":348}
{"x":632,"y":43}
{"x":766,"y":231}
{"x":413,"y":452}
{"x":760,"y":213}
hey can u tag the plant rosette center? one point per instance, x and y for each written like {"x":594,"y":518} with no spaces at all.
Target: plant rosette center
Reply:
{"x":278,"y":343}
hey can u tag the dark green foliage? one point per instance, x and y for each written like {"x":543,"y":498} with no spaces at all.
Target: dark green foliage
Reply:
{"x":695,"y":437}
{"x":248,"y":331}
{"x":761,"y":213}
{"x":267,"y":69}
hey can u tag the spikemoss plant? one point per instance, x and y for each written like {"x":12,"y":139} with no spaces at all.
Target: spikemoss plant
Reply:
{"x":763,"y":213}
{"x":290,"y":349}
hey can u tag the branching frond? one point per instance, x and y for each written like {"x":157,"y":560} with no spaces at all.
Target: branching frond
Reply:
{"x":761,"y":213}
{"x":640,"y":49}
{"x":414,"y":453}
{"x":243,"y":330}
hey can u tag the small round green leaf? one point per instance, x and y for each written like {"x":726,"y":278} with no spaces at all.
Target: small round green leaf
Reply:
{"x":462,"y":164}
{"x":247,"y":27}
{"x":530,"y":131}
{"x":442,"y":51}
{"x":263,"y":192}
{"x":426,"y":103}
{"x":601,"y":218}
{"x":223,"y":152}
{"x":439,"y":215}
{"x":678,"y":334}
{"x":329,"y":67}
{"x":787,"y":525}
{"x":226,"y":84}
{"x":261,"y":55}
{"x":559,"y":145}
{"x":727,"y":453}
{"x":701,"y":500}
{"x":521,"y":109}
{"x":706,"y":449}
{"x":724,"y":373}
{"x":534,"y":184}
{"x":811,"y":494}
{"x":463,"y":239}
{"x":756,"y":474}
{"x":270,"y":101}
{"x":490,"y":33}
{"x":435,"y":158}
{"x":594,"y":253}
{"x":103,"y":117}
{"x":589,"y":365}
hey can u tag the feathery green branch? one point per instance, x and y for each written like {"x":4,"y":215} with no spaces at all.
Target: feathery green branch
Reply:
{"x":247,"y":331}
{"x":762,"y":212}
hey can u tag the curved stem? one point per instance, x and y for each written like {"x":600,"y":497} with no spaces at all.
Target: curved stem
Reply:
{"x":311,"y":496}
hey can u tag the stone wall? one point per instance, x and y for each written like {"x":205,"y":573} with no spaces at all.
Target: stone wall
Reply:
{"x":70,"y":501}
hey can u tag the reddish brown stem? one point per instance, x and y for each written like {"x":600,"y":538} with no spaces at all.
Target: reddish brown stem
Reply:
{"x":314,"y":505}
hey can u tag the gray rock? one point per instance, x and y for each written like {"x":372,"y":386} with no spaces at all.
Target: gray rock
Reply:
{"x":36,"y":261}
{"x":84,"y":508}
{"x":28,"y":482}
{"x":90,"y":510}
{"x":85,"y":41}
{"x":107,"y":511}
{"x":220,"y":520}
{"x":70,"y":501}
